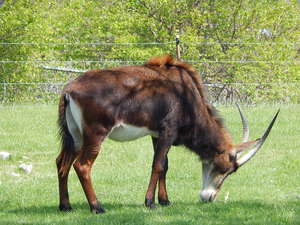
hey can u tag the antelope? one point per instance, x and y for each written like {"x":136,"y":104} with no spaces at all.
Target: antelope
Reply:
{"x":163,"y":98}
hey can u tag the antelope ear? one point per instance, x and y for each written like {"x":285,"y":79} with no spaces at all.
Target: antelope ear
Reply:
{"x":245,"y":146}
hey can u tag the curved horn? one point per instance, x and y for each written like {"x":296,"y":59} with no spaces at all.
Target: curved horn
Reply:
{"x":259,"y":142}
{"x":245,"y":124}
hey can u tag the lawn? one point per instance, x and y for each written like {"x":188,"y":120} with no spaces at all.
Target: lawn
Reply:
{"x":265,"y":191}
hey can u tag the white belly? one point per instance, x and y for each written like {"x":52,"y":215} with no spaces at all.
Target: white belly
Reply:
{"x":126,"y":132}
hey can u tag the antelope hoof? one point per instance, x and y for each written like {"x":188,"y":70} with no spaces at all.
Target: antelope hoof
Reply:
{"x":149,"y":203}
{"x":97,"y":210}
{"x":65,"y":208}
{"x":164,"y":202}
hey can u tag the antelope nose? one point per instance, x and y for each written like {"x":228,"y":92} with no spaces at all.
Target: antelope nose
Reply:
{"x":208,"y":195}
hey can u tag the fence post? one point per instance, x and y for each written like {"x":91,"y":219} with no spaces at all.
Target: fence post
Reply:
{"x":4,"y":93}
{"x":177,"y":46}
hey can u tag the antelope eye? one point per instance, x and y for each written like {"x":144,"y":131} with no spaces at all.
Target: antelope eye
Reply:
{"x":232,"y":157}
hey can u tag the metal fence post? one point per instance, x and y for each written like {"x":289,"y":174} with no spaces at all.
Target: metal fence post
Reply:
{"x":177,"y":47}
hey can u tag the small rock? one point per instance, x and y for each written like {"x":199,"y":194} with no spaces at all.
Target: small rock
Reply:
{"x":4,"y":155}
{"x":15,"y":174}
{"x":27,"y":168}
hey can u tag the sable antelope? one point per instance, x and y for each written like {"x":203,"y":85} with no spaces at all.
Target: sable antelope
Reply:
{"x":163,"y":98}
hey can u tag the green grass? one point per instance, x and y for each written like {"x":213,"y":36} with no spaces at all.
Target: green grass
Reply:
{"x":265,"y":191}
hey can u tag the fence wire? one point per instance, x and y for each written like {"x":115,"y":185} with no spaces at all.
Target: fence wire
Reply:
{"x":150,"y":43}
{"x":63,"y":70}
{"x":143,"y":61}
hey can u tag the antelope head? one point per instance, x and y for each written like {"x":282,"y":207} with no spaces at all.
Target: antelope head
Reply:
{"x":216,"y":170}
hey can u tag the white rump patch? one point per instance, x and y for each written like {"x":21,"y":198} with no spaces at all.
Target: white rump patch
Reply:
{"x":127,"y":132}
{"x":74,"y":121}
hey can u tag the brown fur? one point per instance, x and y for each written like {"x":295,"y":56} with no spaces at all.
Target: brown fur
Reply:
{"x":165,"y":95}
{"x":168,"y":61}
{"x":213,"y":121}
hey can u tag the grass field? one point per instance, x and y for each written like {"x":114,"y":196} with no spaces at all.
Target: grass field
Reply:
{"x":264,"y":191}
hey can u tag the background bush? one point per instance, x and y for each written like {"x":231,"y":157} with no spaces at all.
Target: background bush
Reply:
{"x":253,"y":42}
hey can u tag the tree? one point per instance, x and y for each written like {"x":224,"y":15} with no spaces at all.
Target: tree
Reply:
{"x":209,"y":31}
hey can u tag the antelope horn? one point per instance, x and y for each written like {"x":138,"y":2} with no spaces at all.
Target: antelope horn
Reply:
{"x":259,"y":142}
{"x":245,"y":124}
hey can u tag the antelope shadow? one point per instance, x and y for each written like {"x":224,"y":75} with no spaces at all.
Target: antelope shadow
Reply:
{"x":237,"y":212}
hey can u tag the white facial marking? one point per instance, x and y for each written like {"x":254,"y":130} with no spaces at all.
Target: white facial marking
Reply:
{"x":74,"y":122}
{"x":208,"y":190}
{"x":207,"y":168}
{"x":127,"y":132}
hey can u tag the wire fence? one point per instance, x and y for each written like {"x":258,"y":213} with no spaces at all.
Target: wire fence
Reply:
{"x":49,"y":90}
{"x":153,"y":43}
{"x":142,"y":61}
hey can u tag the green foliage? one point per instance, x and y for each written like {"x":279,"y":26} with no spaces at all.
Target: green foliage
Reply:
{"x":59,"y":30}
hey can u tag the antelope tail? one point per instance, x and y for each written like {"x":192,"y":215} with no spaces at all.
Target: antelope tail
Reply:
{"x":67,"y":155}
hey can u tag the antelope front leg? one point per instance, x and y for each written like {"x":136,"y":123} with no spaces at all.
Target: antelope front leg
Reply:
{"x":158,"y":172}
{"x":162,"y":189}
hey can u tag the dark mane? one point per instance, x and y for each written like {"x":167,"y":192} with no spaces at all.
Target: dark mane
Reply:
{"x":213,"y":140}
{"x":168,"y":61}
